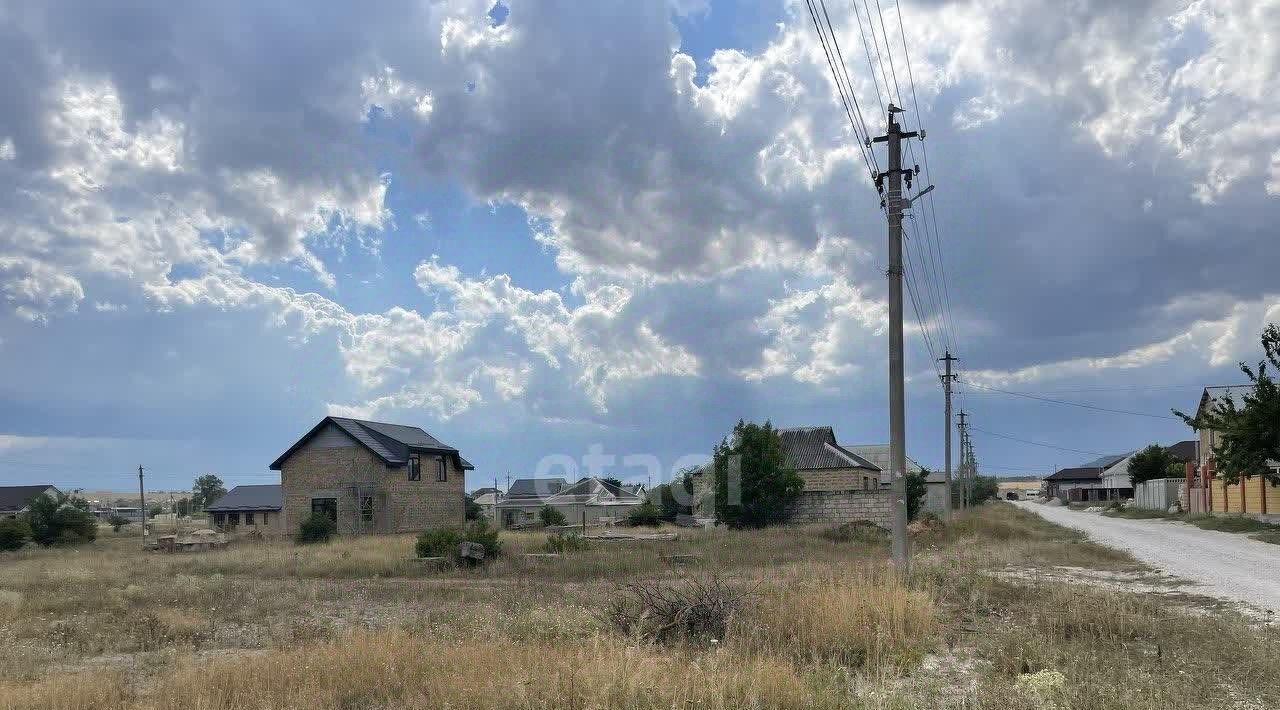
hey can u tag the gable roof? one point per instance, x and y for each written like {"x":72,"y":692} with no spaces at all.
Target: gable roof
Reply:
{"x":1184,"y":451}
{"x":266,"y":497}
{"x":878,"y":455}
{"x":1078,"y":473}
{"x":809,"y":448}
{"x":16,"y":497}
{"x":390,"y":442}
{"x":535,"y":487}
{"x":595,"y":491}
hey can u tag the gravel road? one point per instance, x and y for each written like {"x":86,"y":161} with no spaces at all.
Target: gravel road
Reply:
{"x":1225,"y":565}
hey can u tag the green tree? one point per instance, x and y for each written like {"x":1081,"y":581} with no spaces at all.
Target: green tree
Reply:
{"x":1248,"y":435}
{"x":118,"y":521}
{"x":985,"y":488}
{"x":916,"y":490}
{"x":61,"y":519}
{"x":14,"y":533}
{"x":206,"y":489}
{"x":182,"y":506}
{"x":474,"y":511}
{"x":550,"y":516}
{"x":753,"y":484}
{"x":645,"y":514}
{"x":611,"y":479}
{"x":1152,"y":462}
{"x":154,"y":510}
{"x":317,"y":527}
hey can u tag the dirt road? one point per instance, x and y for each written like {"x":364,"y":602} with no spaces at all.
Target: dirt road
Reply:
{"x":1225,"y":565}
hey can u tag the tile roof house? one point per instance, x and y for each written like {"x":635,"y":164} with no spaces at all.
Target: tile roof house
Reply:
{"x":14,"y":500}
{"x":372,"y":477}
{"x":249,"y":509}
{"x":593,"y":499}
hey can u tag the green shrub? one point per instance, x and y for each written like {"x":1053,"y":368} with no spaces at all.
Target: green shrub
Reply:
{"x":318,"y":527}
{"x":60,"y":519}
{"x":645,"y":514}
{"x":117,"y":521}
{"x":14,"y":533}
{"x":439,"y":542}
{"x":443,"y":542}
{"x":862,"y":531}
{"x":550,"y":516}
{"x":560,"y":543}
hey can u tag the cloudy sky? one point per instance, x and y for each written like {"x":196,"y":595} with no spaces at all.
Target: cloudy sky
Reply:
{"x":542,"y":227}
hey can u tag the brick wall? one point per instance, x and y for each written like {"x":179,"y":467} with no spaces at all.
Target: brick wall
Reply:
{"x":835,"y":507}
{"x":840,"y":479}
{"x":400,"y":505}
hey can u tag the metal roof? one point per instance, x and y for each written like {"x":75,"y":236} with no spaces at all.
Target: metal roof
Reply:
{"x":16,"y":497}
{"x":810,"y":448}
{"x":265,"y":497}
{"x":390,"y":442}
{"x":535,"y":487}
{"x":1078,"y":473}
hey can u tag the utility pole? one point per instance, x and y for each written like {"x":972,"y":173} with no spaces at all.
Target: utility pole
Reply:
{"x":946,"y":387}
{"x":964,"y":445}
{"x":142,"y":501}
{"x":897,"y":397}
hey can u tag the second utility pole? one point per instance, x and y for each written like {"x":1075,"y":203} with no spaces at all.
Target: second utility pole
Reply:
{"x":946,"y":386}
{"x":964,"y":442}
{"x":897,"y":406}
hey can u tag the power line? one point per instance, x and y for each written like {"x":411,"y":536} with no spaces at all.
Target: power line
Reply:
{"x":847,"y":99}
{"x":1036,"y":443}
{"x":1082,"y":405}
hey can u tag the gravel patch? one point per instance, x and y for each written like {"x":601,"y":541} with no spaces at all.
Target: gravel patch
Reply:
{"x":1223,"y":565}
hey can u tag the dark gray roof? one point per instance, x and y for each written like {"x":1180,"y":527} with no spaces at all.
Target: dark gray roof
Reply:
{"x":1079,"y":473}
{"x":249,"y":498}
{"x":809,"y":448}
{"x":1106,"y":461}
{"x":536,"y":487}
{"x":390,"y":442}
{"x":1184,"y":450}
{"x":591,"y":486}
{"x":16,"y":497}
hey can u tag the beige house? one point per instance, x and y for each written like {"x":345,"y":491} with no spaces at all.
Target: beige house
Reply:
{"x":372,"y":477}
{"x":249,"y":509}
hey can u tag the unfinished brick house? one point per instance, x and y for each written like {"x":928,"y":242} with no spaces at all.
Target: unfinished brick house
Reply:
{"x":372,"y":477}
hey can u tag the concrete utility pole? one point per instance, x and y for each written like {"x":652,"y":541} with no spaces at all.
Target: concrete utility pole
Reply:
{"x":897,"y":414}
{"x":142,"y":501}
{"x":964,"y":443}
{"x":946,"y":386}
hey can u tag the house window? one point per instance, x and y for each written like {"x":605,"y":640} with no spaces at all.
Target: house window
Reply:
{"x":219,"y":519}
{"x":233,"y":519}
{"x":264,"y":518}
{"x":327,"y":506}
{"x":415,"y":467}
{"x":366,"y":509}
{"x":248,"y":518}
{"x":441,"y":473}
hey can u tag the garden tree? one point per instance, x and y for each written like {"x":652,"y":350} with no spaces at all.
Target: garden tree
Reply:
{"x":550,"y":516}
{"x":611,"y":479}
{"x":61,"y":519}
{"x":155,"y":510}
{"x":916,"y":490}
{"x":1249,"y":435}
{"x":645,"y":514}
{"x":14,"y":533}
{"x":985,"y":488}
{"x":674,"y":498}
{"x":752,"y":468}
{"x":117,"y":521}
{"x":473,"y":508}
{"x":1153,"y":462}
{"x":206,"y":489}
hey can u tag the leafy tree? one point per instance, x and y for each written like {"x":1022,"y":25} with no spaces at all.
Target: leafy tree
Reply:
{"x":611,"y":479}
{"x":551,"y":516}
{"x":474,"y":511}
{"x":985,"y":488}
{"x":753,"y":467}
{"x":1248,"y":435}
{"x":154,"y":510}
{"x":61,"y":519}
{"x":1153,"y":462}
{"x":182,"y":507}
{"x":674,"y":498}
{"x":645,"y":514}
{"x":14,"y":533}
{"x":916,"y":490}
{"x":317,"y":527}
{"x":206,"y":489}
{"x":118,"y":521}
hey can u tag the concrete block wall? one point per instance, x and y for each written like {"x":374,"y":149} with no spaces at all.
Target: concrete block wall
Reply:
{"x":400,"y":505}
{"x":837,"y":507}
{"x":840,"y":479}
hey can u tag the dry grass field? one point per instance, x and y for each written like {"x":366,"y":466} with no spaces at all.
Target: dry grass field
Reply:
{"x":819,"y":620}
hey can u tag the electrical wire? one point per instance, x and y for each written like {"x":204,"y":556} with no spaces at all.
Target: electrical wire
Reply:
{"x":1082,"y":405}
{"x":1035,"y":443}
